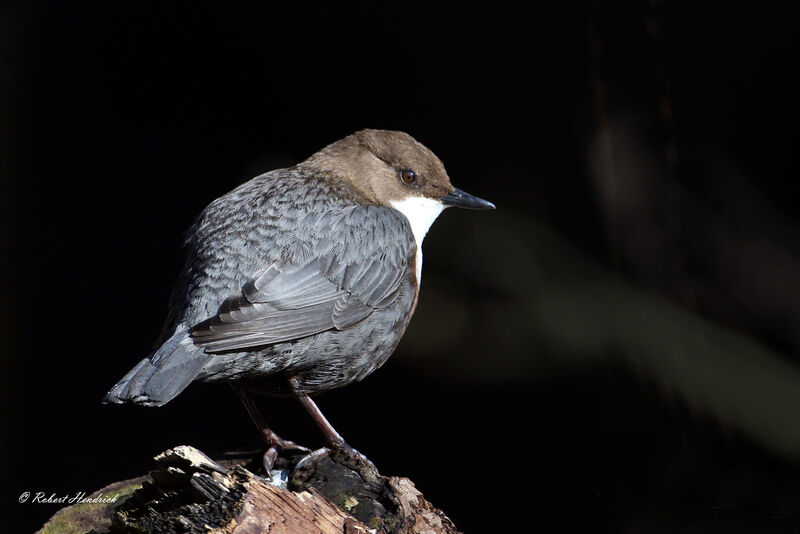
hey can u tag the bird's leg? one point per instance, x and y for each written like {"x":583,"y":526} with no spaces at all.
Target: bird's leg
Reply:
{"x":334,"y":439}
{"x":274,"y":442}
{"x":336,"y":442}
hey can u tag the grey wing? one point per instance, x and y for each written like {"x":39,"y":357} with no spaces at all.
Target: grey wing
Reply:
{"x":283,"y":302}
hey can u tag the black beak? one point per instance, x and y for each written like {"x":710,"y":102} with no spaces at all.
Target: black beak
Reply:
{"x":459,"y":198}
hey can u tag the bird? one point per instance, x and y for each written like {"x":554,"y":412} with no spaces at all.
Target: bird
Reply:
{"x":301,"y":280}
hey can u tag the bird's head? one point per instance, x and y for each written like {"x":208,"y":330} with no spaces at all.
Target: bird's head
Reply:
{"x":392,"y":169}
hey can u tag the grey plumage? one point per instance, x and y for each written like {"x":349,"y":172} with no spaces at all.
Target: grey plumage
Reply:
{"x":264,"y":274}
{"x":162,"y":375}
{"x":302,"y":279}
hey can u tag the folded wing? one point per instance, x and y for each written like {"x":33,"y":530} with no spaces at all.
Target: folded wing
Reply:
{"x":286,"y":301}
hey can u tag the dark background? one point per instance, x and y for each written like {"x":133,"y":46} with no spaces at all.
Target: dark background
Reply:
{"x":614,"y":348}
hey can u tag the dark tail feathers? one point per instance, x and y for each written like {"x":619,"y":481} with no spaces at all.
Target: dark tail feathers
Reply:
{"x":159,"y":378}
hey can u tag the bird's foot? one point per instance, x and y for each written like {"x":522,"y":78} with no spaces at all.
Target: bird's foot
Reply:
{"x":313,"y":457}
{"x":268,"y":461}
{"x":274,"y":441}
{"x":337,"y":450}
{"x":349,"y":452}
{"x":286,"y":445}
{"x":278,"y":445}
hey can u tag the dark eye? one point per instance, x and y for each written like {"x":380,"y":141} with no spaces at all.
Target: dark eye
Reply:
{"x":408,"y":177}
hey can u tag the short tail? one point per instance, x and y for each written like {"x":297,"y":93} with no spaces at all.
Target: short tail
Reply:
{"x":160,"y":377}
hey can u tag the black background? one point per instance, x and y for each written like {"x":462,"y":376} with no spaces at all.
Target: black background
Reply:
{"x":121,"y":122}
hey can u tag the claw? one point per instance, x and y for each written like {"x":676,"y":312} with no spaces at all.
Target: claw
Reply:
{"x":269,"y":459}
{"x":350,"y":452}
{"x":286,"y":445}
{"x":344,"y":449}
{"x":313,"y":456}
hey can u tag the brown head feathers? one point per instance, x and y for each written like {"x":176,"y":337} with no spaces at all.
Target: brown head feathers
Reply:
{"x":384,"y":166}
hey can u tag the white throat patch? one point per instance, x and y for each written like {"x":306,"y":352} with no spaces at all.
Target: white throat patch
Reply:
{"x":420,"y":212}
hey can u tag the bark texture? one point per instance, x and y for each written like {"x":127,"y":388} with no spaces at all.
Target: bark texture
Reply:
{"x":189,"y":492}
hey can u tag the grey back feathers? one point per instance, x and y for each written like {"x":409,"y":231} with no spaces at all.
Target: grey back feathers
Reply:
{"x":362,"y":256}
{"x":287,"y":255}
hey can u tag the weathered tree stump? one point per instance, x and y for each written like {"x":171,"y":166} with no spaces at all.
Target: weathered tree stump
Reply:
{"x":189,"y":492}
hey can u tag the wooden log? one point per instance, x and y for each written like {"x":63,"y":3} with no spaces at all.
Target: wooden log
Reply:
{"x":189,"y":492}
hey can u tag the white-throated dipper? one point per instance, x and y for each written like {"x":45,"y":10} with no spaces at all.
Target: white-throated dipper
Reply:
{"x":301,"y":280}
